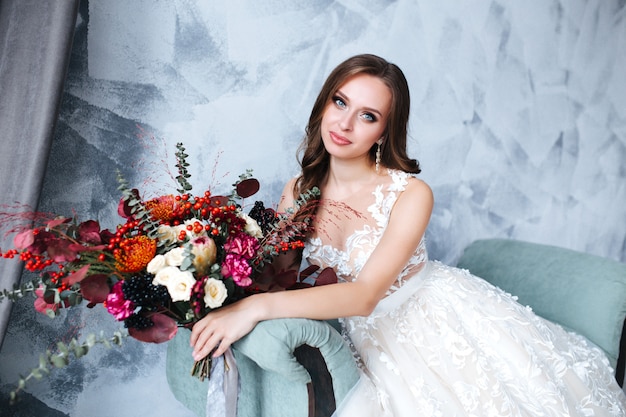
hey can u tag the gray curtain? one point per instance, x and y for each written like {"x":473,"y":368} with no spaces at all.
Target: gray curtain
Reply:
{"x":35,"y":44}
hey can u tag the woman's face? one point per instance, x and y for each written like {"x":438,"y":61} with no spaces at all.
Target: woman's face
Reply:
{"x":356,"y":117}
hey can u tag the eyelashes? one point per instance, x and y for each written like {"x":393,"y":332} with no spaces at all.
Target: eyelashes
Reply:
{"x":369,"y":117}
{"x":341,"y":104}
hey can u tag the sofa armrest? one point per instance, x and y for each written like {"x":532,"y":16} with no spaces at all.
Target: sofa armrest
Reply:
{"x":582,"y":292}
{"x":279,"y":347}
{"x":273,"y":380}
{"x":186,"y":388}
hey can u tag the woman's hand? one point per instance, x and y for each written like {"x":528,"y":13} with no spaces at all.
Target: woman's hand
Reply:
{"x":221,"y":328}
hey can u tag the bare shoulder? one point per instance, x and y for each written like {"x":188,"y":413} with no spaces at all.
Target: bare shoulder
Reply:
{"x":415,"y":203}
{"x":418,"y":191}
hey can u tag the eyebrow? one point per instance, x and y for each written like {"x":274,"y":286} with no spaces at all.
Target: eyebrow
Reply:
{"x":370,"y":109}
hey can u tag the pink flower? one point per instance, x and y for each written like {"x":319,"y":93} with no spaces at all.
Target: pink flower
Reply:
{"x":237,"y":267}
{"x":117,"y":305}
{"x":243,"y":244}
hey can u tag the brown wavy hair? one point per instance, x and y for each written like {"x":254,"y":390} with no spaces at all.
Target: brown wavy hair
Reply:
{"x":315,"y":159}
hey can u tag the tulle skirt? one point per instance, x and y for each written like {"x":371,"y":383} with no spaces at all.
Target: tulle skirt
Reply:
{"x":450,"y":344}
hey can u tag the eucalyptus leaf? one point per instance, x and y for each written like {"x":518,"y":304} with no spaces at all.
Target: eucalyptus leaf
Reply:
{"x":186,"y":264}
{"x":59,"y":361}
{"x":62,"y":347}
{"x":80,"y":351}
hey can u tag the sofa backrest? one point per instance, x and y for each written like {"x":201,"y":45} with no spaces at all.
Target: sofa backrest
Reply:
{"x":582,"y":292}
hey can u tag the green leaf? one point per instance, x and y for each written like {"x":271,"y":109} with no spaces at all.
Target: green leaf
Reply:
{"x":59,"y":361}
{"x":50,"y":361}
{"x":186,"y":264}
{"x":80,"y":351}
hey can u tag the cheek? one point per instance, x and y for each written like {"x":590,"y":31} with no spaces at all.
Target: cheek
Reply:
{"x":374,"y":133}
{"x":327,"y":116}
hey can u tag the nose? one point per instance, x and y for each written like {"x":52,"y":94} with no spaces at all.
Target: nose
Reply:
{"x":345,"y":122}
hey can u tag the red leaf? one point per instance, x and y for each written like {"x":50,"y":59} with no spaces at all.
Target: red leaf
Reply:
{"x":59,"y":251}
{"x":123,"y":209}
{"x":248,"y":187}
{"x":106,"y":235}
{"x":89,"y":232}
{"x":54,"y":223}
{"x":42,"y":306}
{"x":95,"y":288}
{"x":308,"y":271}
{"x":164,"y":329}
{"x":266,"y":276}
{"x":24,"y":239}
{"x":286,"y":279}
{"x":42,"y":240}
{"x":77,"y":276}
{"x":326,"y":276}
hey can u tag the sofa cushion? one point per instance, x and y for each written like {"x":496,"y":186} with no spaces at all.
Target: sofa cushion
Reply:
{"x":582,"y":292}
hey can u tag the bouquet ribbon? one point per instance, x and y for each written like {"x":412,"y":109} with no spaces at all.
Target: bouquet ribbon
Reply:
{"x":223,"y":387}
{"x":231,"y":384}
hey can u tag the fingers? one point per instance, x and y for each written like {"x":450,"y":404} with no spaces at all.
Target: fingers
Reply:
{"x":207,"y":339}
{"x":203,"y":339}
{"x":221,"y":348}
{"x":218,"y":330}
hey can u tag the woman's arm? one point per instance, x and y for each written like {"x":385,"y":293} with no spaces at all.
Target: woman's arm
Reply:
{"x":406,"y":227}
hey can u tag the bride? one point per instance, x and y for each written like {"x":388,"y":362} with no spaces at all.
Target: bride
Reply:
{"x":430,"y":340}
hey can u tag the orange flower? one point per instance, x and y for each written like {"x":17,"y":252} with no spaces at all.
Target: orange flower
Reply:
{"x":135,"y":253}
{"x":163,"y":208}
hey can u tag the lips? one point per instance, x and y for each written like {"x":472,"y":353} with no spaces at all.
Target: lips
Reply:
{"x":338,"y":139}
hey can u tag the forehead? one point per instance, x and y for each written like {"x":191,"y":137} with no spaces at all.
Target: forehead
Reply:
{"x":367,"y":91}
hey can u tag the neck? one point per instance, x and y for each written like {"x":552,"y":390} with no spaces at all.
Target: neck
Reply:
{"x":350,"y":175}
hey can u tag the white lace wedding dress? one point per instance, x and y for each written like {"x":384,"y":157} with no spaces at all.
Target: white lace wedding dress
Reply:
{"x":446,"y":343}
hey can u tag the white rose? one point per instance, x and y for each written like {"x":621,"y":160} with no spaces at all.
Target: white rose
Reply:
{"x":179,"y":283}
{"x":214,"y":293}
{"x":175,"y":257}
{"x":168,"y":233}
{"x":252,"y":227}
{"x":164,"y":276}
{"x":156,"y":264}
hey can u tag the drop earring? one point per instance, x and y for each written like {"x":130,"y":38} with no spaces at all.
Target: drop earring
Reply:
{"x":378,"y":154}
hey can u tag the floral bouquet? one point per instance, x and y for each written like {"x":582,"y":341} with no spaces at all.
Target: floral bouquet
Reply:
{"x":174,"y":259}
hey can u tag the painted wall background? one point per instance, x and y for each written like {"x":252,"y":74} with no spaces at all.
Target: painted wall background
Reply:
{"x":518,"y":118}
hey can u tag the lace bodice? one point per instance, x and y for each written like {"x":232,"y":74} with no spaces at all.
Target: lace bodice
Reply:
{"x":349,"y":261}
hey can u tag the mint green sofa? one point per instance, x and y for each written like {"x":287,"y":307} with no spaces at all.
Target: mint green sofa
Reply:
{"x":287,"y":368}
{"x":299,"y":367}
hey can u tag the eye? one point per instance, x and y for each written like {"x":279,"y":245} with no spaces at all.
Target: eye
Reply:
{"x":369,"y":117}
{"x":339,"y":102}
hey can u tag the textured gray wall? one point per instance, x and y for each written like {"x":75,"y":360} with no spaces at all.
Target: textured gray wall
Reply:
{"x":518,"y":119}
